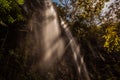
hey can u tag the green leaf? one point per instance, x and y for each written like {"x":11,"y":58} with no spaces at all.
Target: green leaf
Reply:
{"x":20,"y":2}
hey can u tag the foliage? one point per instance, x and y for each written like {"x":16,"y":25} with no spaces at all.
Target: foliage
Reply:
{"x":112,"y":38}
{"x":95,"y":40}
{"x":10,"y":11}
{"x":90,"y":10}
{"x":113,"y":14}
{"x":20,"y":2}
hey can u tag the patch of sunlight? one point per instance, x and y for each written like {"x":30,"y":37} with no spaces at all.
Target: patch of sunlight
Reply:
{"x":20,"y":2}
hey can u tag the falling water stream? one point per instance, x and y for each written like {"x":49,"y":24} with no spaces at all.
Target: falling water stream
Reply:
{"x":49,"y":37}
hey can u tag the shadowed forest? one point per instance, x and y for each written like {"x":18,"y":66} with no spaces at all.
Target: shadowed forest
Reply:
{"x":27,"y":30}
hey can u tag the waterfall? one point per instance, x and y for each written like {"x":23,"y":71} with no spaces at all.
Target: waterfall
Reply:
{"x":49,"y":38}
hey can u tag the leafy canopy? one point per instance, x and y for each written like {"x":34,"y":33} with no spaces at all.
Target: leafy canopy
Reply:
{"x":112,"y":38}
{"x":10,"y":11}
